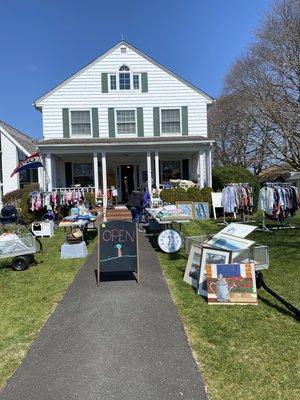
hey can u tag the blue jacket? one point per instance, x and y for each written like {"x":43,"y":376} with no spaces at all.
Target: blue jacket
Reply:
{"x":146,"y":199}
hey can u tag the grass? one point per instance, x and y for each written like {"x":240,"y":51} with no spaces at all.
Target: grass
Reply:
{"x":27,"y":299}
{"x":247,"y":352}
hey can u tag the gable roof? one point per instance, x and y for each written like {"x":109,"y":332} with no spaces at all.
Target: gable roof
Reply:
{"x":103,"y":55}
{"x":22,"y":141}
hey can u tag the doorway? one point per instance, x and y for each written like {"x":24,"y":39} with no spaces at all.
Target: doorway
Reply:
{"x":127,"y":181}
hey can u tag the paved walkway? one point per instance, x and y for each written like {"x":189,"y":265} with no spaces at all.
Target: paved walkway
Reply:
{"x":119,"y":340}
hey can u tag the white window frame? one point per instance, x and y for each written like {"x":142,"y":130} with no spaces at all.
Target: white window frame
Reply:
{"x":70,"y":123}
{"x":109,"y":88}
{"x":131,"y":73}
{"x":180,"y":121}
{"x":116,"y":122}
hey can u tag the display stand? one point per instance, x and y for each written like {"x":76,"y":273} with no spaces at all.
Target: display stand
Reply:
{"x":261,"y":283}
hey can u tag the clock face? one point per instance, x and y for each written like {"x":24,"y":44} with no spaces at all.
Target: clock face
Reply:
{"x":169,"y":241}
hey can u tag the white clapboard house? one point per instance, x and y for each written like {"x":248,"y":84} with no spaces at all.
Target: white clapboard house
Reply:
{"x":15,"y":146}
{"x":124,"y":120}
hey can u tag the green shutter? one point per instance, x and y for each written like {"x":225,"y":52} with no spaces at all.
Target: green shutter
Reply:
{"x":104,"y":82}
{"x":66,"y":124}
{"x":140,"y":122}
{"x":185,"y":122}
{"x":95,"y":122}
{"x":156,"y":121}
{"x":144,"y":76}
{"x":111,"y":122}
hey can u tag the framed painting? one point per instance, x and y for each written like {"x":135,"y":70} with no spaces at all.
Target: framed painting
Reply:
{"x":231,"y":284}
{"x":191,"y":275}
{"x":201,"y":211}
{"x":186,"y":208}
{"x":229,"y":242}
{"x":210,"y":255}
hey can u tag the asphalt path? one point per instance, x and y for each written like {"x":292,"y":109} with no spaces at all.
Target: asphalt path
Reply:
{"x":118,"y":340}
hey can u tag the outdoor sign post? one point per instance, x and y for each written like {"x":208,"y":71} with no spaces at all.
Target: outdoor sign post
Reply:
{"x":118,"y":249}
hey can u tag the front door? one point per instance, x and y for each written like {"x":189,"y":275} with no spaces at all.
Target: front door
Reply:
{"x":127,"y":181}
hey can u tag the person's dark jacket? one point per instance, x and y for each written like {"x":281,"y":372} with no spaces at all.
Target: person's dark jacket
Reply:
{"x":135,"y":199}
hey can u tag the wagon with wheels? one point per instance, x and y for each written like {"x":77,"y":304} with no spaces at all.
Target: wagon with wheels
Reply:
{"x":20,"y":248}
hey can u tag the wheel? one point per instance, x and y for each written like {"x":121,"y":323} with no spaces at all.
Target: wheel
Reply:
{"x":20,"y":263}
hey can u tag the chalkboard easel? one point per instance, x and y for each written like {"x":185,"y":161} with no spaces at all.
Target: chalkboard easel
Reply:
{"x":118,"y":248}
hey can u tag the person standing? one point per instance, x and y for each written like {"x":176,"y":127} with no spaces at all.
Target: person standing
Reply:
{"x":146,"y":201}
{"x":135,"y":202}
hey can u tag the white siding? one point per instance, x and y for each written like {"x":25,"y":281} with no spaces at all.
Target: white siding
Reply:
{"x":9,"y":163}
{"x":84,"y":92}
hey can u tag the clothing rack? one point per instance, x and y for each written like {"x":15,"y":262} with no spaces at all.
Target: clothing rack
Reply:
{"x":289,"y":225}
{"x":245,"y":215}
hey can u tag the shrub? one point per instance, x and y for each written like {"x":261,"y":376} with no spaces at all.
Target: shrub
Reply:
{"x":173,"y":195}
{"x":235,"y":174}
{"x":14,"y":197}
{"x":26,"y":214}
{"x":206,"y":195}
{"x":90,"y":199}
{"x":194,"y":194}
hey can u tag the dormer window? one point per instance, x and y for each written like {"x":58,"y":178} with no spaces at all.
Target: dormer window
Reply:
{"x":124,"y":78}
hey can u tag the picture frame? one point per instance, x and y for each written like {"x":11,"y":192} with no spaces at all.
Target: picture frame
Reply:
{"x":193,"y":266}
{"x":229,"y":242}
{"x":210,"y":255}
{"x":201,"y":211}
{"x":239,"y":230}
{"x":186,"y":207}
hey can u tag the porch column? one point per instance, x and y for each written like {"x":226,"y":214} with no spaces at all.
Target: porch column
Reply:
{"x":49,"y":179}
{"x":208,"y":167}
{"x":96,"y":177}
{"x":200,"y":161}
{"x":149,"y":178}
{"x":41,"y":178}
{"x":157,"y":170}
{"x":104,"y":179}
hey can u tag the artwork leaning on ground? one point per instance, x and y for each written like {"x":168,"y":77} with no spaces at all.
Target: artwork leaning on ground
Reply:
{"x":210,"y":255}
{"x":192,"y":269}
{"x":231,"y":284}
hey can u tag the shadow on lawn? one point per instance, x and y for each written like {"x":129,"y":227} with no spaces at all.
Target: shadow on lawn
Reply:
{"x":277,"y":307}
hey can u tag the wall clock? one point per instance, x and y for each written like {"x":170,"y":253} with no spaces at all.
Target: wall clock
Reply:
{"x":169,"y":241}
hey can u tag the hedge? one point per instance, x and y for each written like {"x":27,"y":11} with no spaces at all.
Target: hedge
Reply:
{"x":191,"y":194}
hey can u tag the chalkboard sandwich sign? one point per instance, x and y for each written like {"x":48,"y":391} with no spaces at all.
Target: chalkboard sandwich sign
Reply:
{"x":118,"y":248}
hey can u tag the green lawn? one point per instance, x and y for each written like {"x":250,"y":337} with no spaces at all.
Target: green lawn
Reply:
{"x":27,"y":299}
{"x":247,"y":352}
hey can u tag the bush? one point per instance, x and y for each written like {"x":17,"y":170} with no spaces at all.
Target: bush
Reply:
{"x":26,"y":214}
{"x":235,"y":174}
{"x":173,"y":195}
{"x":14,"y":197}
{"x":194,"y":194}
{"x":90,"y":199}
{"x":206,"y":195}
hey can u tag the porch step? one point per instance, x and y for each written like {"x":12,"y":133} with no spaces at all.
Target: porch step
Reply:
{"x":114,"y":214}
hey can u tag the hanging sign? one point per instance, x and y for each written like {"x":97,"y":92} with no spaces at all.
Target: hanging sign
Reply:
{"x":118,"y":248}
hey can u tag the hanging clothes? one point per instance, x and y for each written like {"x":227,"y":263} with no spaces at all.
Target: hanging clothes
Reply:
{"x":237,"y":197}
{"x":278,"y":200}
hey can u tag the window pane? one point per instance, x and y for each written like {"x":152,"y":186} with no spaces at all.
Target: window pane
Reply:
{"x":136,"y":82}
{"x":124,"y":81}
{"x":80,"y":116}
{"x":170,"y":121}
{"x":81,"y":122}
{"x":124,"y":68}
{"x":113,"y":82}
{"x":126,"y":121}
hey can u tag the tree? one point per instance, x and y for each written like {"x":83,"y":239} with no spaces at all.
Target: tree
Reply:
{"x":267,"y":77}
{"x":257,"y":119}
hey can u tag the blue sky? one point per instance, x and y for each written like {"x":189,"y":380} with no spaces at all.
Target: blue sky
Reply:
{"x":43,"y":42}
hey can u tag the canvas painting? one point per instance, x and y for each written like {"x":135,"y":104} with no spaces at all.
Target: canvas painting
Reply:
{"x":186,"y":208}
{"x":210,"y":255}
{"x":191,"y":275}
{"x":201,"y":211}
{"x":231,"y":284}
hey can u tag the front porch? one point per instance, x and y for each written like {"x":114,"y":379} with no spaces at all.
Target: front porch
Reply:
{"x":124,"y":167}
